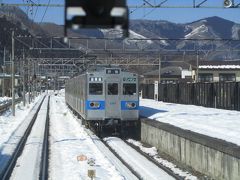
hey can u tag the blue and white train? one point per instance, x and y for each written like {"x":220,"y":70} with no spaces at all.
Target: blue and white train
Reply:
{"x":105,"y":98}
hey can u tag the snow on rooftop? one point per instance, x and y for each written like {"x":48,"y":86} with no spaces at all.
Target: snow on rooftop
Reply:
{"x":217,"y":123}
{"x":219,"y":67}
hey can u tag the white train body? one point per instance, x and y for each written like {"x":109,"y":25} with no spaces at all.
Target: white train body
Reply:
{"x":107,"y":96}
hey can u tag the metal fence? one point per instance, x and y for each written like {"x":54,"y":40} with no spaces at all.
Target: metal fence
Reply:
{"x":222,"y":95}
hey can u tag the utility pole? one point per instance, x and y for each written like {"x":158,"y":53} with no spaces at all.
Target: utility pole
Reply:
{"x":24,"y":91}
{"x":159,"y":70}
{"x":13,"y":77}
{"x":3,"y":80}
{"x":29,"y":86}
{"x":34,"y":80}
{"x":197,"y":66}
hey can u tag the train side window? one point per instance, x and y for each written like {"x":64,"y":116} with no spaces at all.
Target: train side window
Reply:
{"x":112,"y":88}
{"x":129,"y":89}
{"x":95,"y":88}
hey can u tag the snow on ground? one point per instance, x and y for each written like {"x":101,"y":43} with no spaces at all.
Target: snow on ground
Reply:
{"x":3,"y":100}
{"x":13,"y":128}
{"x":146,"y":169}
{"x":153,"y":153}
{"x":217,"y":123}
{"x":30,"y":159}
{"x":8,"y":123}
{"x":69,"y":140}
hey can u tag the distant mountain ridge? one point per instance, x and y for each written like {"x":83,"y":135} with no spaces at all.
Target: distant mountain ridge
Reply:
{"x":208,"y":28}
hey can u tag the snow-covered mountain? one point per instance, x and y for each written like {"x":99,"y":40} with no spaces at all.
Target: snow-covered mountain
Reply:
{"x":208,"y":28}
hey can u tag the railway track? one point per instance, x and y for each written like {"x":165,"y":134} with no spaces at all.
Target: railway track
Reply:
{"x":142,"y":164}
{"x":167,"y":170}
{"x":135,"y":169}
{"x":32,"y":148}
{"x":122,"y":167}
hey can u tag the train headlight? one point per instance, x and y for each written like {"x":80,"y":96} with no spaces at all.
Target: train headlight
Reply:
{"x":131,"y":105}
{"x":94,"y":104}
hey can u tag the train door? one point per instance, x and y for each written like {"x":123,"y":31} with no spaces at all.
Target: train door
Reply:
{"x":112,"y":104}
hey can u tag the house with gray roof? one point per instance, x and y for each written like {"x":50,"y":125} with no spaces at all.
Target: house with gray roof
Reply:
{"x":169,"y":74}
{"x":219,"y":71}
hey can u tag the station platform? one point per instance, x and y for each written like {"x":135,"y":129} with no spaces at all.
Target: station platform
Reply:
{"x":204,"y":139}
{"x":216,"y":123}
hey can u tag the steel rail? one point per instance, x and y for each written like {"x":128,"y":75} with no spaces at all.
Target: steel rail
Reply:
{"x":121,"y":159}
{"x":6,"y":174}
{"x":167,"y":170}
{"x":45,"y":149}
{"x":89,"y":131}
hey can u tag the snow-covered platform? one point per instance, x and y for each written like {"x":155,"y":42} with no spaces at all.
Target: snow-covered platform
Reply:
{"x":217,"y":123}
{"x":205,"y":139}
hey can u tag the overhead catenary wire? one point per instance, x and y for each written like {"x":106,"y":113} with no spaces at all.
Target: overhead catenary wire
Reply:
{"x":186,"y":5}
{"x":45,"y":10}
{"x":36,"y":12}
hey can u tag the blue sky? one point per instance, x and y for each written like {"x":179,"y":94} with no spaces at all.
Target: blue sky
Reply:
{"x":170,"y":14}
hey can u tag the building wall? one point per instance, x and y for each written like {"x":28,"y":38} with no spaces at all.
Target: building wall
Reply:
{"x":216,"y":73}
{"x":187,"y":73}
{"x":151,"y":80}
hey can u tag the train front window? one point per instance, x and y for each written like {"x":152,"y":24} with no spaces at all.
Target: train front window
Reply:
{"x":113,"y":89}
{"x":95,"y":88}
{"x":129,"y":89}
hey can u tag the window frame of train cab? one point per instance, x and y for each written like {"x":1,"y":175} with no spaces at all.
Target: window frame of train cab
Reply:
{"x":92,"y":92}
{"x":116,"y":89}
{"x":129,"y":84}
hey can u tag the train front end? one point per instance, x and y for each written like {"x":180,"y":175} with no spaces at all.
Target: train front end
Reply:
{"x":113,"y":101}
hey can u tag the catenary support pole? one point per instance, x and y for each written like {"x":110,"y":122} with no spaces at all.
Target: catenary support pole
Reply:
{"x":4,"y":69}
{"x":159,"y":70}
{"x":24,"y":91}
{"x":197,"y":66}
{"x":29,"y":85}
{"x":13,"y":77}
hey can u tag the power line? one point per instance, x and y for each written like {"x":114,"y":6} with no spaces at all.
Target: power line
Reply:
{"x":36,"y":12}
{"x":130,"y":6}
{"x":46,"y":10}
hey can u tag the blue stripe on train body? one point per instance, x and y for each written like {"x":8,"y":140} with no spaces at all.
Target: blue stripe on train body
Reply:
{"x":124,"y":105}
{"x":101,"y":103}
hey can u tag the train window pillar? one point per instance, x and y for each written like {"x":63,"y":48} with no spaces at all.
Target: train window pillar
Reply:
{"x":112,"y":88}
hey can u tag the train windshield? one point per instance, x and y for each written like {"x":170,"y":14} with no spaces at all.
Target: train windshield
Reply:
{"x":95,"y":88}
{"x":113,"y":89}
{"x":129,"y":89}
